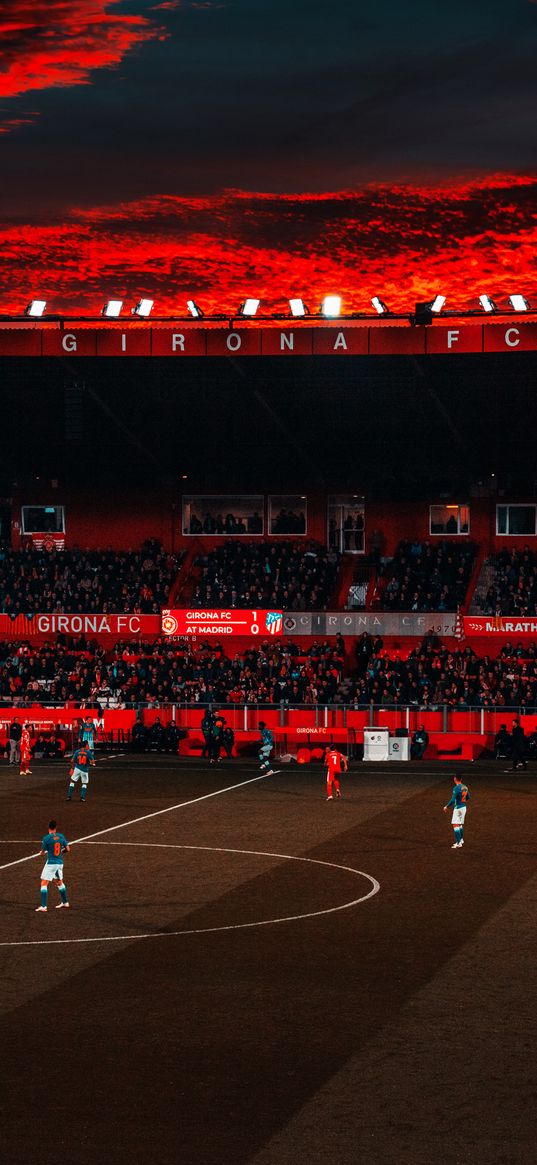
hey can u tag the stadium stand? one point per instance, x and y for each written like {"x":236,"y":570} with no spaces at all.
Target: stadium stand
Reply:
{"x":512,"y":589}
{"x":155,"y":674}
{"x":281,"y":574}
{"x":426,"y":577}
{"x":435,"y":676}
{"x":73,"y":581}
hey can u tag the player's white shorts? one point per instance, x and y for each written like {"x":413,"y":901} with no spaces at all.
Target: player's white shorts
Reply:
{"x":84,"y":778}
{"x":51,"y":872}
{"x":265,"y":751}
{"x":458,"y":815}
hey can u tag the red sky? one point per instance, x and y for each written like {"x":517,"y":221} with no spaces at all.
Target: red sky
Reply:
{"x":48,"y":43}
{"x":148,"y":148}
{"x":402,"y":243}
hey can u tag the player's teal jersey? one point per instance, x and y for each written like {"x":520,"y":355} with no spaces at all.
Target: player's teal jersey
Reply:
{"x":459,"y":796}
{"x":267,"y":737}
{"x":54,"y":844}
{"x":87,"y":735}
{"x":81,"y":759}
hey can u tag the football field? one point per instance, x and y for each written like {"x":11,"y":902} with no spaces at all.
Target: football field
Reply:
{"x":250,"y":974}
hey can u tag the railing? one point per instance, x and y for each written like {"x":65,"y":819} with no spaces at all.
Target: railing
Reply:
{"x":452,"y":731}
{"x":441,"y":718}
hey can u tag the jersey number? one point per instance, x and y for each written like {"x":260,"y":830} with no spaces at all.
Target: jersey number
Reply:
{"x":82,"y":758}
{"x":57,"y":849}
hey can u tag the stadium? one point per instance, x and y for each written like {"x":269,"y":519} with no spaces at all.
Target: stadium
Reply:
{"x":268,"y":586}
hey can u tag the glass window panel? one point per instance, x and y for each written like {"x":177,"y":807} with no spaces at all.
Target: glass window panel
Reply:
{"x":516,"y":520}
{"x":287,"y":514}
{"x":346,"y":523}
{"x":43,"y":520}
{"x":223,"y":515}
{"x":448,"y":520}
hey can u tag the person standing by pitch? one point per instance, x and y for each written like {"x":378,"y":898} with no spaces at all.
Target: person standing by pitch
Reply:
{"x":458,"y":799}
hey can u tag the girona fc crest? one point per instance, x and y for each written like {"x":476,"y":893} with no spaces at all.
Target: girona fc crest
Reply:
{"x":169,"y":623}
{"x":273,"y":622}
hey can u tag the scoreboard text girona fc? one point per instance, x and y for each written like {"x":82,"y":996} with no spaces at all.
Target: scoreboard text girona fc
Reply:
{"x":179,"y":622}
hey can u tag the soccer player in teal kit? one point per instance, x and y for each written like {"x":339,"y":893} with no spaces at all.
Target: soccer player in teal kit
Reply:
{"x":54,"y":845}
{"x":87,"y":737}
{"x":267,"y":744}
{"x":80,"y":764}
{"x":458,"y":799}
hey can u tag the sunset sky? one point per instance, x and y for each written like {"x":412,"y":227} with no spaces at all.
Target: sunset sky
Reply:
{"x":221,"y":148}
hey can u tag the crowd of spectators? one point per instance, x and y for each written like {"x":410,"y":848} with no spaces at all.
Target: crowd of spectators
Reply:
{"x":85,"y":581}
{"x":425,"y":576}
{"x":434,"y":676}
{"x":269,"y":673}
{"x":156,"y":673}
{"x":279,"y":575}
{"x":514,"y":590}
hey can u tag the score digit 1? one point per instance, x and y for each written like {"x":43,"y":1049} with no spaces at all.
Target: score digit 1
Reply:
{"x":254,"y":629}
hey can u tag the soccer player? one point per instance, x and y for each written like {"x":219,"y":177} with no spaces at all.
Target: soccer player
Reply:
{"x":87,"y":737}
{"x":267,"y":744}
{"x":336,"y":763}
{"x":54,"y":845}
{"x":458,"y":799}
{"x":25,"y":751}
{"x":80,"y":763}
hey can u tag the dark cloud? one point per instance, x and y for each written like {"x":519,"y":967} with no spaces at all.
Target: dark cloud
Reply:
{"x":273,"y":96}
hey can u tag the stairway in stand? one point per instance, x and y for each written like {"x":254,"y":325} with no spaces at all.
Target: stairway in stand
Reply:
{"x":189,"y":574}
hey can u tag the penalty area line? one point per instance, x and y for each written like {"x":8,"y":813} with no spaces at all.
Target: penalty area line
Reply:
{"x":146,"y":817}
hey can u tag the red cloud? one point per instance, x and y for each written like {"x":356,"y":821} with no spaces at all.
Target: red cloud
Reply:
{"x":46,"y":43}
{"x":403,"y":243}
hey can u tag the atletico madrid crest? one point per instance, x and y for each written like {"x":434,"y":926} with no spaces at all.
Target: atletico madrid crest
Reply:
{"x":273,"y":621}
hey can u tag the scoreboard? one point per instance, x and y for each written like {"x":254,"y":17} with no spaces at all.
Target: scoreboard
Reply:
{"x":184,"y":622}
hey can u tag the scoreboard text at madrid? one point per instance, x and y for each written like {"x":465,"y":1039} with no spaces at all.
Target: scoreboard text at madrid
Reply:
{"x":179,"y":622}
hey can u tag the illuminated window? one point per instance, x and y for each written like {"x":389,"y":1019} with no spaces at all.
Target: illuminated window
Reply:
{"x":449,"y":520}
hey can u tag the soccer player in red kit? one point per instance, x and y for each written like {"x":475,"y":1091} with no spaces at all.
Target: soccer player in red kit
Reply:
{"x":25,"y":751}
{"x":335,"y":763}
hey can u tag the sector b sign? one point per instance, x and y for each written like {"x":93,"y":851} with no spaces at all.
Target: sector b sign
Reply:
{"x":209,"y":623}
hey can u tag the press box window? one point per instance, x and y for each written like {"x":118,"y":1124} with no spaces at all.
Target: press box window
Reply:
{"x":513,"y":520}
{"x":43,"y":520}
{"x":447,"y":521}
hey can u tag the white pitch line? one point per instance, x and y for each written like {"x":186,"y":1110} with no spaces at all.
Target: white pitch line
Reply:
{"x":146,"y":817}
{"x":117,"y":938}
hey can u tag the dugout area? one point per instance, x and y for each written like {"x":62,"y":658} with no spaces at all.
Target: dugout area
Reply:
{"x":400,"y":1029}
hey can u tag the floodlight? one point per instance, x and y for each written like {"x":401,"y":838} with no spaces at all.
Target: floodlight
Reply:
{"x":194,"y":309}
{"x":112,"y":308}
{"x":438,"y":303}
{"x":143,"y":307}
{"x":297,"y":307}
{"x":331,"y":306}
{"x":519,"y":303}
{"x":249,"y":307}
{"x":379,"y":306}
{"x":36,"y":308}
{"x":487,"y":303}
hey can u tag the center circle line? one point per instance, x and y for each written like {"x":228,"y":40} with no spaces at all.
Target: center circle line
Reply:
{"x":375,"y":887}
